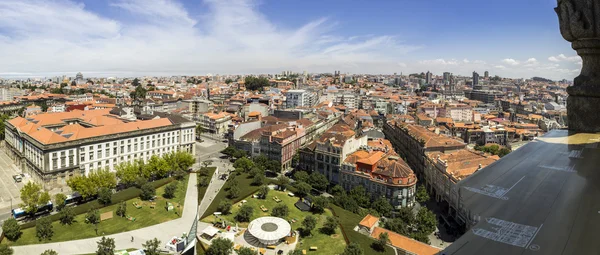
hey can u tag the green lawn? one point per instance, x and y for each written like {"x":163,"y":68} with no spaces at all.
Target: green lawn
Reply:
{"x":244,"y":183}
{"x":145,"y":216}
{"x":348,"y":221}
{"x":202,"y":190}
{"x":333,"y":244}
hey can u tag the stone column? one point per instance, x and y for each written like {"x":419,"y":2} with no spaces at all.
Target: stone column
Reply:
{"x":579,"y":22}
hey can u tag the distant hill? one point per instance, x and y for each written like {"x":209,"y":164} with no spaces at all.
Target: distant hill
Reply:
{"x":541,"y":79}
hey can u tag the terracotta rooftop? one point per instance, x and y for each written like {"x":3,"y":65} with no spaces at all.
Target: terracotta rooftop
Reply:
{"x":368,"y":221}
{"x":410,"y":245}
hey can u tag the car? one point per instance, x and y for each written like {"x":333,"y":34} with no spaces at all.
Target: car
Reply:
{"x":17,"y":178}
{"x":279,"y":252}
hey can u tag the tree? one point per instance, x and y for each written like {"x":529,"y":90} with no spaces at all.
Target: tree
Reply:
{"x":263,"y":191}
{"x":426,"y":221}
{"x":122,"y":209}
{"x":33,"y":197}
{"x":227,"y":81}
{"x":318,"y":181}
{"x":303,"y":188}
{"x":140,"y":181}
{"x":224,"y":207}
{"x":255,"y":83}
{"x":301,"y":176}
{"x":220,"y":246}
{"x":273,"y":166}
{"x":84,"y":185}
{"x":59,"y":200}
{"x":243,"y":165}
{"x":337,"y":190}
{"x":128,"y":172}
{"x":245,"y":213}
{"x":139,"y":92}
{"x":359,"y":194}
{"x":331,"y":223}
{"x":233,"y":192}
{"x":66,"y":215}
{"x":347,"y":202}
{"x":103,"y":178}
{"x":255,"y":171}
{"x":308,"y":224}
{"x":422,"y":195}
{"x":239,"y":154}
{"x":6,"y":250}
{"x":229,"y":151}
{"x":503,"y":152}
{"x":280,"y":210}
{"x":296,"y":160}
{"x":381,"y":242}
{"x":156,"y":167}
{"x":92,"y":217}
{"x":204,"y":181}
{"x":282,"y":182}
{"x":398,"y":226}
{"x":206,"y":163}
{"x":246,"y":251}
{"x":104,"y":196}
{"x":258,"y":180}
{"x":319,"y":204}
{"x":353,"y":249}
{"x":49,"y":252}
{"x":170,"y":190}
{"x":261,"y":161}
{"x":148,"y":192}
{"x":382,"y":206}
{"x":43,"y":229}
{"x":11,"y":229}
{"x":151,"y":247}
{"x":106,"y":246}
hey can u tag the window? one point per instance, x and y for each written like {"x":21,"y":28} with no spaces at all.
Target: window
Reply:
{"x":91,"y":155}
{"x":99,"y":154}
{"x":122,"y":149}
{"x":82,"y":158}
{"x":71,"y":160}
{"x":54,"y":163}
{"x":129,"y":148}
{"x":107,"y":153}
{"x":115,"y":151}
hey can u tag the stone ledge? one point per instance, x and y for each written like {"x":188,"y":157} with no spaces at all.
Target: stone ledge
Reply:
{"x":584,"y":114}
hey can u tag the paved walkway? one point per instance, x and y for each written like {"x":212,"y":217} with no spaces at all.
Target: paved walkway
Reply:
{"x":163,"y":231}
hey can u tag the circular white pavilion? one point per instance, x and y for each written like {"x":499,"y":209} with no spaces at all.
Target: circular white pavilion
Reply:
{"x":269,"y":230}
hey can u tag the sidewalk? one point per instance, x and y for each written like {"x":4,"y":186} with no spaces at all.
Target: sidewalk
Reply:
{"x":163,"y":231}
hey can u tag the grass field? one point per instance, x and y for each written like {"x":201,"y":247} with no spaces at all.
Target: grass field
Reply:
{"x":244,"y":183}
{"x":333,"y":244}
{"x":202,"y":190}
{"x":145,"y":216}
{"x":348,"y":221}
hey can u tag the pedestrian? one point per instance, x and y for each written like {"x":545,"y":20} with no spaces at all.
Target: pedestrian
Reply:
{"x":132,"y":239}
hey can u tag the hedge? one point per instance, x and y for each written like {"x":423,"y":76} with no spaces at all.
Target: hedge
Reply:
{"x":117,"y":197}
{"x":202,"y":190}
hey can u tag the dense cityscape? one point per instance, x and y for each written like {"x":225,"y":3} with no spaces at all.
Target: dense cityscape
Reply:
{"x":244,"y":127}
{"x":391,"y":146}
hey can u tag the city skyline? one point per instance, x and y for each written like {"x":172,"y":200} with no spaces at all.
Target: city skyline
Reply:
{"x":132,"y":38}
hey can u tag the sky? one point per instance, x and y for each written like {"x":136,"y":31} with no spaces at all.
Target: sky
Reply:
{"x":509,"y":38}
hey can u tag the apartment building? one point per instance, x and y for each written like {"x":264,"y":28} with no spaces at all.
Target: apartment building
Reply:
{"x":326,"y":154}
{"x":216,"y":123}
{"x":53,"y":147}
{"x":297,"y":98}
{"x":381,"y":172}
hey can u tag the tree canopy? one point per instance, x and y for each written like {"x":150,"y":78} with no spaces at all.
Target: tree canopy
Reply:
{"x":33,"y":197}
{"x":220,"y":246}
{"x":255,"y":83}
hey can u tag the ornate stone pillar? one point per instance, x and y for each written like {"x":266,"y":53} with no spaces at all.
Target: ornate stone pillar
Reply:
{"x":580,"y":24}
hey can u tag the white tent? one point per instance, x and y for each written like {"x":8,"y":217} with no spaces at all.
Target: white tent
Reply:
{"x":210,"y":231}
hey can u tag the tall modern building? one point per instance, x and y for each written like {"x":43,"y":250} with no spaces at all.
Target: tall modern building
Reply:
{"x":446,"y":77}
{"x":428,"y":77}
{"x":486,"y":74}
{"x":475,"y":79}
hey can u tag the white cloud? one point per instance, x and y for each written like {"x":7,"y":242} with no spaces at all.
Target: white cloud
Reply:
{"x":500,"y":67}
{"x":510,"y":61}
{"x":562,"y":57}
{"x":162,"y":37}
{"x":439,"y":61}
{"x":466,"y":60}
{"x":531,"y":62}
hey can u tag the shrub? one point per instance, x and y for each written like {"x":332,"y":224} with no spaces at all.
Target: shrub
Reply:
{"x":280,"y":211}
{"x":148,"y":192}
{"x":105,"y":196}
{"x":11,"y":229}
{"x":43,"y":229}
{"x":66,"y":215}
{"x":122,"y":209}
{"x":224,"y":207}
{"x":170,"y":190}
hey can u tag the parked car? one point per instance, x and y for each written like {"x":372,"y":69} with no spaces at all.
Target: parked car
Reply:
{"x":17,"y":178}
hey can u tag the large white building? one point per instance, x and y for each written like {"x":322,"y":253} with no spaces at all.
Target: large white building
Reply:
{"x":53,"y":147}
{"x":297,"y":98}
